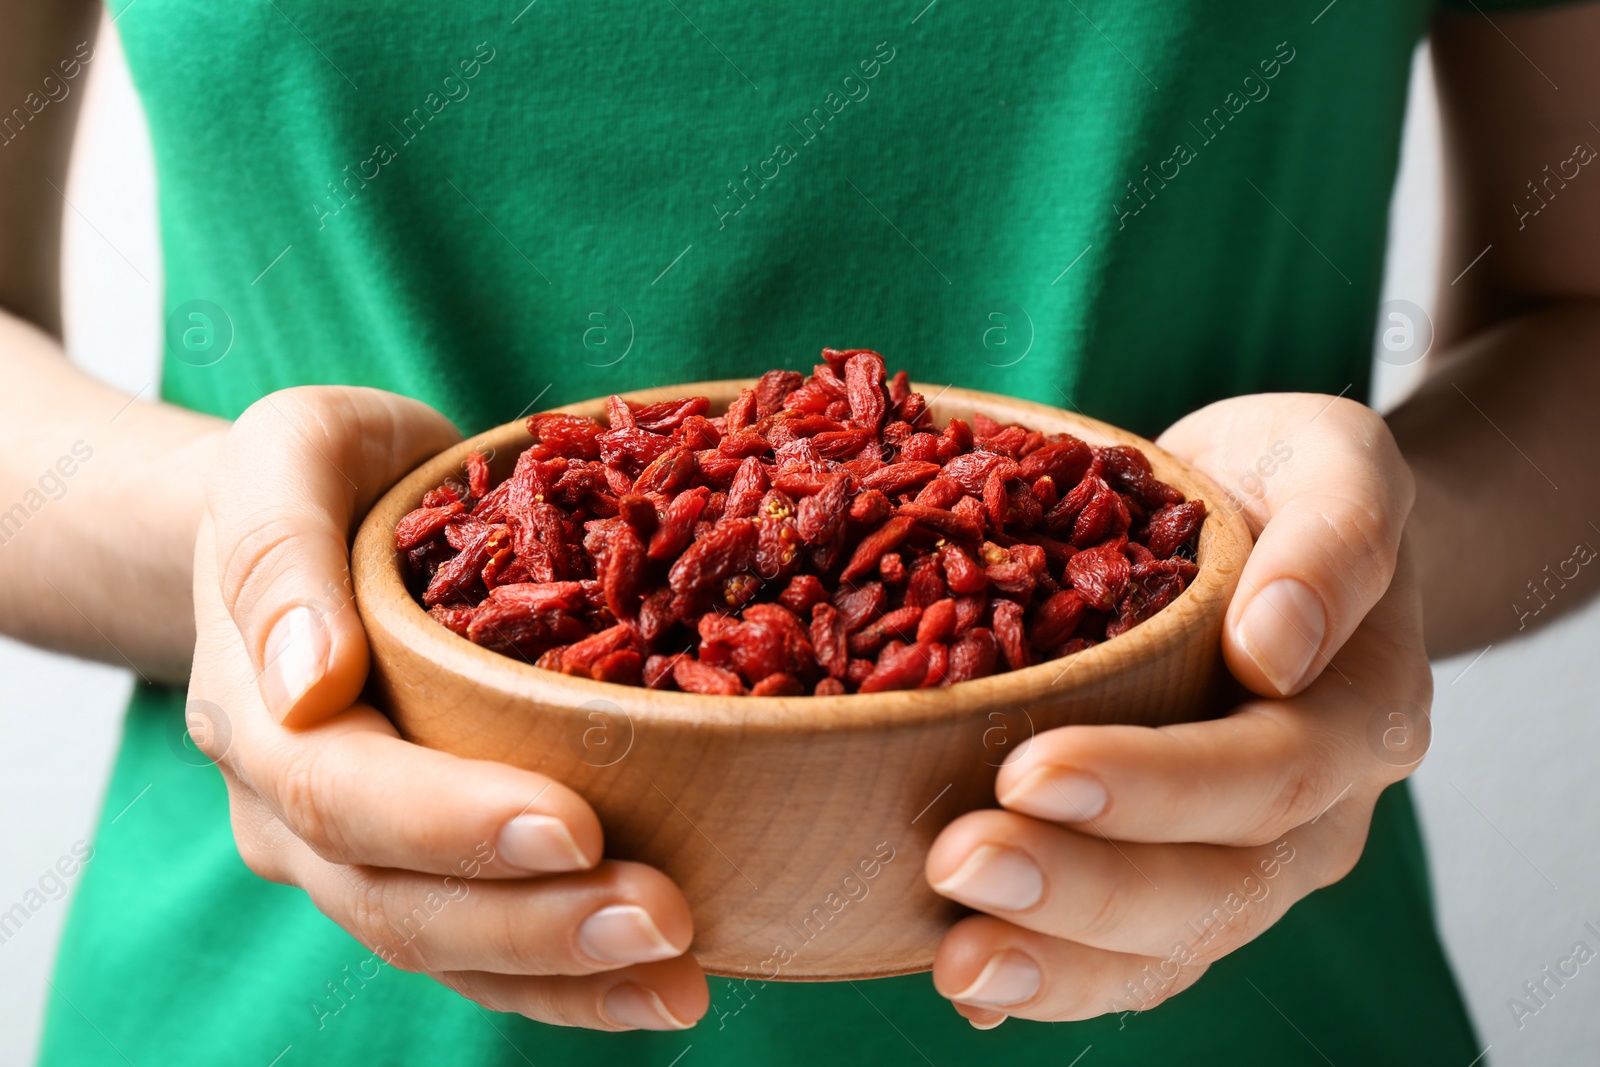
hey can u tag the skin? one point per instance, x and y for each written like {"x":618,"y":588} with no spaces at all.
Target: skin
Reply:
{"x":1377,"y":521}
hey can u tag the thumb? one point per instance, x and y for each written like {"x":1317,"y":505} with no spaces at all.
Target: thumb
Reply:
{"x":1327,"y":525}
{"x":299,"y":468}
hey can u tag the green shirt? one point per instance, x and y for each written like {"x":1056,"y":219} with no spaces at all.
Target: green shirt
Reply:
{"x":1131,"y":208}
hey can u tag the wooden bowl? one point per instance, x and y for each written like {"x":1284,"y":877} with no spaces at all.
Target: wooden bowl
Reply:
{"x":796,"y":826}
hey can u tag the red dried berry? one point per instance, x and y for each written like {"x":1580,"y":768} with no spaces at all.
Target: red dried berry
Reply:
{"x":1100,"y":575}
{"x":899,"y":668}
{"x":421,"y":525}
{"x":892,"y":568}
{"x":567,"y":435}
{"x":870,"y":507}
{"x":864,"y":375}
{"x":672,"y":549}
{"x":828,"y":639}
{"x":972,"y":655}
{"x":899,"y":477}
{"x":1172,"y":526}
{"x":938,"y":622}
{"x":1056,"y":619}
{"x":802,"y":592}
{"x":1008,"y":633}
{"x":693,"y":676}
{"x":875,"y":545}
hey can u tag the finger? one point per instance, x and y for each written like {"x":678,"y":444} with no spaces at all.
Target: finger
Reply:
{"x":1328,"y":528}
{"x":298,"y":467}
{"x":1133,"y":898}
{"x":980,"y":1018}
{"x":989,"y":966}
{"x":616,"y":915}
{"x":356,"y":793}
{"x":1242,"y":780}
{"x":1248,"y":778}
{"x":670,"y":995}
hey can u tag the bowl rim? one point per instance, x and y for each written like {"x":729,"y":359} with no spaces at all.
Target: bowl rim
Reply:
{"x":387,"y":606}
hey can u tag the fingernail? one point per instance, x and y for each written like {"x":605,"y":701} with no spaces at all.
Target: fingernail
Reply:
{"x":1057,"y":794}
{"x":624,"y":933}
{"x":995,"y":877}
{"x":1009,"y":978}
{"x":985,"y":1019}
{"x":633,"y":1005}
{"x":295,"y":659}
{"x":540,"y":843}
{"x":1282,"y":629}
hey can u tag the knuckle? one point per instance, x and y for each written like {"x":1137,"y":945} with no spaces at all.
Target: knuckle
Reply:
{"x":1364,"y":531}
{"x":263,"y":544}
{"x":1306,"y":787}
{"x":365,"y":914}
{"x":524,"y":948}
{"x":1377,"y":453}
{"x":1242,"y":919}
{"x":298,"y":407}
{"x":368,"y":910}
{"x":1306,"y":779}
{"x":1107,"y":915}
{"x":305,"y":797}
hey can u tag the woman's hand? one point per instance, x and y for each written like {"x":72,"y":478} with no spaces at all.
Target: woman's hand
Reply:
{"x":485,"y":877}
{"x":1126,"y":859}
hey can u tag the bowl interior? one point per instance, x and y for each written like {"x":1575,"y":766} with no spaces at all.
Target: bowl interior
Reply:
{"x":1223,"y":544}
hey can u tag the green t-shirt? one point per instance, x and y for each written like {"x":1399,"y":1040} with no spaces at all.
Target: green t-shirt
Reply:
{"x":1134,"y":208}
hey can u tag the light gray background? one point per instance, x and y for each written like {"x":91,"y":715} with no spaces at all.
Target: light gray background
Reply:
{"x":1505,"y":793}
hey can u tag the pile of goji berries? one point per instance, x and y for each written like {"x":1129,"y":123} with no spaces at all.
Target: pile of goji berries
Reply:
{"x":821,"y":537}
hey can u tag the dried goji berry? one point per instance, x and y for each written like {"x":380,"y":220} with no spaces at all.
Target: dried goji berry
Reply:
{"x":892,"y":568}
{"x":1100,"y":575}
{"x":864,"y":375}
{"x":901,"y":668}
{"x":938,"y":622}
{"x":668,"y":415}
{"x":875,"y":545}
{"x":677,"y":525}
{"x":421,"y":525}
{"x":1007,"y":624}
{"x":802,"y":592}
{"x":693,"y":676}
{"x":1063,"y":462}
{"x":658,"y":670}
{"x":727,"y":548}
{"x":898,"y":477}
{"x":972,"y":655}
{"x":1128,"y":469}
{"x":567,"y":435}
{"x":870,"y":507}
{"x":1056,"y":619}
{"x":671,"y":548}
{"x":821,"y":515}
{"x":1173,"y":525}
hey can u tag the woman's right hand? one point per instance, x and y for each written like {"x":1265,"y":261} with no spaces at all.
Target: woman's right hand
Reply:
{"x":486,"y":877}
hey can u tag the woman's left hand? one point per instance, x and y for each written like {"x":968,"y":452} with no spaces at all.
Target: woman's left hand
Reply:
{"x":1125,"y":859}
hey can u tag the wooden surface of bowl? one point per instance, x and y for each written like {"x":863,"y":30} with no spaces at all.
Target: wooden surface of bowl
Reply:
{"x":797,"y":827}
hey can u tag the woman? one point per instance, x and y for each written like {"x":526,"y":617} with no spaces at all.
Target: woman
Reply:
{"x":385,"y":221}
